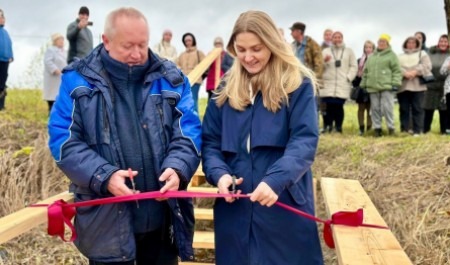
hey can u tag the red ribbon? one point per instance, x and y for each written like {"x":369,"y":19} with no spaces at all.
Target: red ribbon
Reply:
{"x":61,"y":212}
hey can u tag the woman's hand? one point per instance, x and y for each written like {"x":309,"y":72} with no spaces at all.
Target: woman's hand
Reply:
{"x":264,"y":195}
{"x":224,"y":184}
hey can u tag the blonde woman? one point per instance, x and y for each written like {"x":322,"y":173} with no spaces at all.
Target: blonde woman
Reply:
{"x":55,"y":59}
{"x":363,"y":99}
{"x":261,"y":128}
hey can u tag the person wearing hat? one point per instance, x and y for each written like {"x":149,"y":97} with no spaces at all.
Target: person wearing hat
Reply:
{"x":79,"y":35}
{"x":164,"y":49}
{"x":309,"y":53}
{"x":226,"y":61}
{"x":381,"y":78}
{"x":188,"y":60}
{"x":6,"y":57}
{"x":55,"y":59}
{"x":306,"y":49}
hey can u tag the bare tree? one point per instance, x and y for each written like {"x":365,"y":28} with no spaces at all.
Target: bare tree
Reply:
{"x":447,"y":15}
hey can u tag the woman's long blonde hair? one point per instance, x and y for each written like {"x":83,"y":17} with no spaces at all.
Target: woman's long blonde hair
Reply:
{"x":282,"y":75}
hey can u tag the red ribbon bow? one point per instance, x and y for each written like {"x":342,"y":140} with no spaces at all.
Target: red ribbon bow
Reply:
{"x":60,"y":213}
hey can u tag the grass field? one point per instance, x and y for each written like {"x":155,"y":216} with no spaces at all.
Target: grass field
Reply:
{"x":406,"y":177}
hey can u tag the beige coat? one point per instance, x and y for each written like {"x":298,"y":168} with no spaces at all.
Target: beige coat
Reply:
{"x":337,"y":81}
{"x":166,"y":50}
{"x":410,"y":61}
{"x":189,"y":59}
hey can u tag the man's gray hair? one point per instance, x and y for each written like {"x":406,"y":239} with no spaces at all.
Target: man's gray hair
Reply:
{"x":111,"y":19}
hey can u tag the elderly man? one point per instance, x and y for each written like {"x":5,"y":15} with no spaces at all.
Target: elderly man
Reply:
{"x":6,"y":57}
{"x":80,"y":36}
{"x":120,"y":108}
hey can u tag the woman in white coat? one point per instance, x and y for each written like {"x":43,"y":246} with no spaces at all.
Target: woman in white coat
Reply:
{"x":339,"y":72}
{"x":55,"y":59}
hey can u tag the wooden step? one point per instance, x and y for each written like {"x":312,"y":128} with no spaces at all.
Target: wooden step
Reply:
{"x":194,"y":263}
{"x":202,"y":189}
{"x":203,"y":214}
{"x":203,"y":239}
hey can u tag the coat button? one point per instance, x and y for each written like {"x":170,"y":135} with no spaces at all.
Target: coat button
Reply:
{"x":144,"y":126}
{"x":191,"y":257}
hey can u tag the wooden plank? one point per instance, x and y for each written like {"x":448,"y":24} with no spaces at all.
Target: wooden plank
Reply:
{"x":23,"y":220}
{"x":197,"y":72}
{"x":202,"y":189}
{"x":203,"y":214}
{"x":198,"y":178}
{"x":360,"y":245}
{"x":203,"y":239}
{"x":194,"y":263}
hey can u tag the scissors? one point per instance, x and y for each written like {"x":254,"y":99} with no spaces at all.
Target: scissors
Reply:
{"x":133,"y":185}
{"x":233,"y":185}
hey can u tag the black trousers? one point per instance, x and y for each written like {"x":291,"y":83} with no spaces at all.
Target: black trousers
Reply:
{"x":152,"y":248}
{"x":447,"y":99}
{"x":411,"y":101}
{"x":3,"y":77}
{"x":428,"y":120}
{"x":334,"y":114}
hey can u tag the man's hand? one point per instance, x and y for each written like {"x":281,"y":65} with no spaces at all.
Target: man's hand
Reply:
{"x":224,"y":184}
{"x":116,"y":184}
{"x":83,"y":23}
{"x":171,"y":178}
{"x":264,"y":195}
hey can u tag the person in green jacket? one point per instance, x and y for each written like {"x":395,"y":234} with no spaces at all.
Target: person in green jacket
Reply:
{"x":381,"y":78}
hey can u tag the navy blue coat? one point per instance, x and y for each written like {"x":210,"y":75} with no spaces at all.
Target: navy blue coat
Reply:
{"x":282,"y":149}
{"x":85,"y":144}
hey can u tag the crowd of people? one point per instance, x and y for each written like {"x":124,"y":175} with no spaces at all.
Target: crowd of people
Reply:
{"x":375,"y":80}
{"x":126,"y":121}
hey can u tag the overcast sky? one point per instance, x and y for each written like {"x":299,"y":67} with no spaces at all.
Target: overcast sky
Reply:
{"x":31,"y":22}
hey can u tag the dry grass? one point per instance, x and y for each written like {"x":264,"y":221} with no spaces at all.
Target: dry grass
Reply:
{"x":407,"y":179}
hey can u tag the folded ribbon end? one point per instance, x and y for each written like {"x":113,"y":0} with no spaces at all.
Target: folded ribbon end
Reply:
{"x":59,"y":214}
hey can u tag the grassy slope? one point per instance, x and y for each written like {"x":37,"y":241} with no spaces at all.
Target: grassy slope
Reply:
{"x":406,"y":177}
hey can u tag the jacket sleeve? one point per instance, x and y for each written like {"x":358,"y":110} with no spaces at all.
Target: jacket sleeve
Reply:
{"x":82,"y":165}
{"x":183,"y":153}
{"x":318,"y":63}
{"x":397,"y":74}
{"x":227,"y":62}
{"x":444,"y":68}
{"x":365,"y":72}
{"x":302,"y":144}
{"x":49,"y":63}
{"x":424,"y":67}
{"x":213,"y":161}
{"x":72,"y":31}
{"x":353,"y":66}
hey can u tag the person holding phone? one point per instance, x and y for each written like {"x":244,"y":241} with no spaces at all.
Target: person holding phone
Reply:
{"x":80,"y":36}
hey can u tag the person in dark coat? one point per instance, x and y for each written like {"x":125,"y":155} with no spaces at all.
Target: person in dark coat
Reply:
{"x":434,"y":95}
{"x":122,"y":107}
{"x":262,"y":128}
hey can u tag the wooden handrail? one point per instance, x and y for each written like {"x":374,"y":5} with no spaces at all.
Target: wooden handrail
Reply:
{"x":23,"y":220}
{"x":197,"y":72}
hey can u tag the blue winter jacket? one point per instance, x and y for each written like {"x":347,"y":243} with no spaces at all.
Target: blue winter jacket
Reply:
{"x":84,"y":142}
{"x":278,"y":149}
{"x":6,"y":52}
